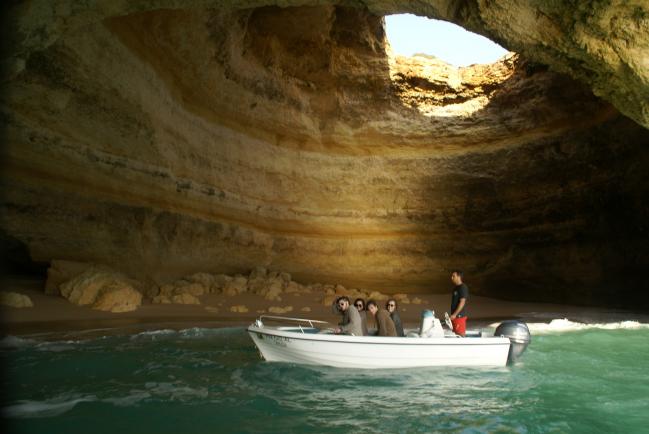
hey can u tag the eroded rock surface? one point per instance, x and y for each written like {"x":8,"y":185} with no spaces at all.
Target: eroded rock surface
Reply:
{"x":171,"y":138}
{"x":14,"y":299}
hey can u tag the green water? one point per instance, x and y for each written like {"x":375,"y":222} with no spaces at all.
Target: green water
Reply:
{"x":212,"y":381}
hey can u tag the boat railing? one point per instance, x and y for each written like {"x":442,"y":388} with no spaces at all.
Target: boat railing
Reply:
{"x":284,"y":318}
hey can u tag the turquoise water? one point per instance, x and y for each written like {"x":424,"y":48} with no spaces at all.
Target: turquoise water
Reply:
{"x":202,"y":380}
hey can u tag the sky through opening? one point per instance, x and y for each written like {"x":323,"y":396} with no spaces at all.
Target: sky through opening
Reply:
{"x":409,"y":35}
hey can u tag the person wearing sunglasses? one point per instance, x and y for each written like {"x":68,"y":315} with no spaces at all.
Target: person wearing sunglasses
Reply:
{"x":458,"y":303}
{"x":359,"y":303}
{"x":382,"y":318}
{"x":351,"y":323}
{"x":391,"y":307}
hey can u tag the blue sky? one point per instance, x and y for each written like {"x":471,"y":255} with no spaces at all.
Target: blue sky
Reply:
{"x":409,"y":34}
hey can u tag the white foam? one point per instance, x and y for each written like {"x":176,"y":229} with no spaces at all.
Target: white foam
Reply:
{"x":565,"y":325}
{"x":47,"y":408}
{"x":175,"y":391}
{"x":153,"y":334}
{"x":16,"y":342}
{"x":129,"y":400}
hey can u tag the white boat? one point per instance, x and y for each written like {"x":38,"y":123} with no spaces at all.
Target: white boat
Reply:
{"x":307,"y":341}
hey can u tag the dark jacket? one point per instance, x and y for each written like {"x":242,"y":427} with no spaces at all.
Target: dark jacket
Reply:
{"x":397,"y":323}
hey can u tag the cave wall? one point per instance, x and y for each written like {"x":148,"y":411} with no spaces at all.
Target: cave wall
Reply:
{"x":165,"y":141}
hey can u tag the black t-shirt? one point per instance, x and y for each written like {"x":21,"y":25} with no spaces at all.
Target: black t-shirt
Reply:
{"x":460,"y":291}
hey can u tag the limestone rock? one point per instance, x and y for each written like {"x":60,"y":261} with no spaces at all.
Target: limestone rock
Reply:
{"x":86,"y":287}
{"x":118,"y":298}
{"x":161,"y":299}
{"x":238,"y":285}
{"x":168,"y":138}
{"x":377,"y":296}
{"x":294,"y":287}
{"x":280,"y":310}
{"x":219,"y":283}
{"x":328,"y":299}
{"x":306,"y":309}
{"x":14,"y":299}
{"x":185,"y":298}
{"x":240,"y":308}
{"x":61,"y":271}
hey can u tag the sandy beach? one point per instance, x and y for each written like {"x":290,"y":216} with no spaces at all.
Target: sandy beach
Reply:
{"x":56,"y":314}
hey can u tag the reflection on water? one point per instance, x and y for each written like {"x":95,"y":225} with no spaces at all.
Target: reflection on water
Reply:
{"x":571,"y":379}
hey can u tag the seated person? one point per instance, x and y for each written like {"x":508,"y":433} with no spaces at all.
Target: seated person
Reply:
{"x":359,"y":303}
{"x":384,"y":323}
{"x":392,"y":309}
{"x":351,"y":323}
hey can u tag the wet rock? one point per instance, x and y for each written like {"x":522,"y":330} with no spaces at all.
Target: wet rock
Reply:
{"x":240,"y":308}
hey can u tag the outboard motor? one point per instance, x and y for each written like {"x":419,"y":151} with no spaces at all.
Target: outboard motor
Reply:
{"x":430,"y":326}
{"x":519,"y":336}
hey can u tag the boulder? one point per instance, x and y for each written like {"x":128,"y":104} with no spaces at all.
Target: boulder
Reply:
{"x":118,"y":298}
{"x":376,"y":295}
{"x":294,"y":287}
{"x":185,"y":298}
{"x":13,"y":299}
{"x":193,"y":288}
{"x":417,"y":300}
{"x":328,"y":299}
{"x":204,"y":279}
{"x":258,"y":273}
{"x":240,"y":308}
{"x":161,"y":299}
{"x":220,"y":280}
{"x":61,"y":271}
{"x":306,"y":309}
{"x":84,"y":289}
{"x":280,"y":310}
{"x":238,"y":285}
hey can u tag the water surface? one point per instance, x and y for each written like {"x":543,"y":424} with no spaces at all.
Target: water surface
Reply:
{"x":573,"y":378}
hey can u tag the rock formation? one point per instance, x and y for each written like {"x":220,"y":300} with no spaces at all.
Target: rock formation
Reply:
{"x":170,"y":138}
{"x":14,"y":299}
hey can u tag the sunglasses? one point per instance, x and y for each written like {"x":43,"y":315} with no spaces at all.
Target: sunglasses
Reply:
{"x":391,"y":305}
{"x":359,"y":304}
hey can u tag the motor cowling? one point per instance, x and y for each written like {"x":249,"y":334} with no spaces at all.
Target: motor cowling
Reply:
{"x":519,"y":336}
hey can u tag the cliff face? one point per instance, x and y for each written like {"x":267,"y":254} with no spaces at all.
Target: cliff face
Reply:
{"x":164,"y":139}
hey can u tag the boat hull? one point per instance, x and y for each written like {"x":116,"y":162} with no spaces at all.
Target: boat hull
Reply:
{"x":371,"y":352}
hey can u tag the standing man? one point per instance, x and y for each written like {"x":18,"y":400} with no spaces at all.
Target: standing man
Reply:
{"x":458,"y":303}
{"x":351,"y":323}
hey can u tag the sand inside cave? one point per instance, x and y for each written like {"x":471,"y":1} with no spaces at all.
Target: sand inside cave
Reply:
{"x":54,"y":314}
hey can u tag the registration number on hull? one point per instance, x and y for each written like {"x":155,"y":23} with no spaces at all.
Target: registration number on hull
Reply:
{"x":280,"y":341}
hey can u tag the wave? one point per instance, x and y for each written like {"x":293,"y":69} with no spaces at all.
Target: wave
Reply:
{"x":16,"y":342}
{"x":47,"y":408}
{"x":565,"y":325}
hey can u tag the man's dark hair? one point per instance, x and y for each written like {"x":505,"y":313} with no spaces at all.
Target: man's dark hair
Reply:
{"x":458,"y":272}
{"x":371,"y":302}
{"x":342,"y":297}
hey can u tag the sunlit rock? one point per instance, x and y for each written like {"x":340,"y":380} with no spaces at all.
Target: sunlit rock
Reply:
{"x":166,"y":139}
